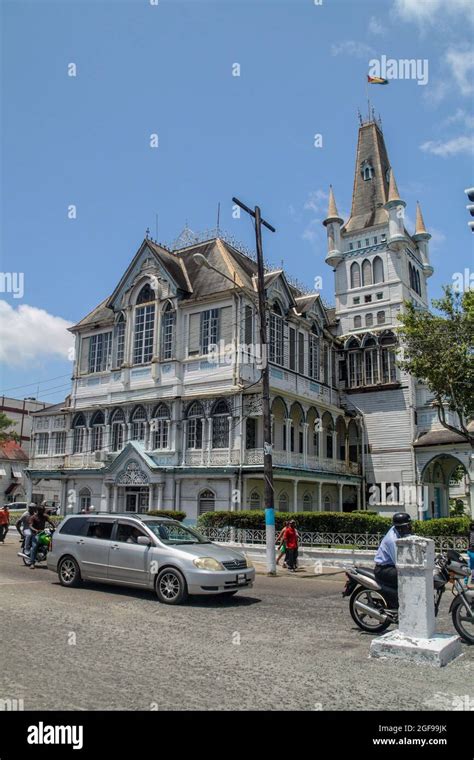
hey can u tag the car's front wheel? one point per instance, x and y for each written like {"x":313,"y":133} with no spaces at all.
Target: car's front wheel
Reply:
{"x":171,"y":586}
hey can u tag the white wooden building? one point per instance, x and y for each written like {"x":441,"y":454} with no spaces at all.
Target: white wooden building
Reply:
{"x":165,"y":406}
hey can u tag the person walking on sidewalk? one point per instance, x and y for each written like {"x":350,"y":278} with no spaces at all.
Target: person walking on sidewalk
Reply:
{"x":290,"y":538}
{"x":4,"y":523}
{"x":281,"y":545}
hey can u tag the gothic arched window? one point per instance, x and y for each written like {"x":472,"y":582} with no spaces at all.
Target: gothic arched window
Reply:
{"x":254,"y":500}
{"x":144,"y":326}
{"x":138,"y":424}
{"x":167,"y":332}
{"x":160,"y":426}
{"x":355,"y":275}
{"x":97,"y":424}
{"x":276,"y":335}
{"x":378,"y":269}
{"x":206,"y":501}
{"x":119,"y":341}
{"x":79,"y":427}
{"x":194,"y":416}
{"x":220,"y":425}
{"x":366,"y":272}
{"x":117,"y":425}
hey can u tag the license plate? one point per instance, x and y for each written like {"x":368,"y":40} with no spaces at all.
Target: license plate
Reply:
{"x":241,"y":578}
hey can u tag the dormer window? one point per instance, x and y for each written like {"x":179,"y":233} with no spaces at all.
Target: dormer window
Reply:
{"x":367,"y":170}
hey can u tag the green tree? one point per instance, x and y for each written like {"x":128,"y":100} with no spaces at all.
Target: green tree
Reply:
{"x":5,"y":433}
{"x":438,"y":349}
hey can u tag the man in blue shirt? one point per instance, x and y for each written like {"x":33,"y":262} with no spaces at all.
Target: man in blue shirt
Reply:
{"x":386,"y":557}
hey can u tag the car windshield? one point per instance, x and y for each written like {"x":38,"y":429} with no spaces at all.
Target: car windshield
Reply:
{"x":173,"y":533}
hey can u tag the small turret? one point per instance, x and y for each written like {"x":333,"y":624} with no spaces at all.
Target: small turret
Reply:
{"x":333,"y":224}
{"x":396,"y":213}
{"x":422,"y":238}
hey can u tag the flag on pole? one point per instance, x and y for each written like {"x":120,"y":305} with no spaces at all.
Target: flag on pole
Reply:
{"x":376,"y":80}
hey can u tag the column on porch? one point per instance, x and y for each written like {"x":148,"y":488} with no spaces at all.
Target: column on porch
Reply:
{"x":185,"y":433}
{"x":295,"y":495}
{"x":320,"y":496}
{"x":177,"y":496}
{"x":358,"y":491}
{"x":305,"y":443}
{"x":288,"y":439}
{"x":151,"y":494}
{"x":159,"y":488}
{"x":114,"y":498}
{"x":209,"y":440}
{"x":229,"y":458}
{"x":203,"y":438}
{"x":340,"y":488}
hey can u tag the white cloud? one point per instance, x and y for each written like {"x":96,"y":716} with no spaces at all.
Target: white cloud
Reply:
{"x":29,"y":334}
{"x":461,"y":63}
{"x":447,"y":148}
{"x":460,"y":117}
{"x":432,"y":11}
{"x":375,"y":27}
{"x":352,"y":47}
{"x":317,"y":201}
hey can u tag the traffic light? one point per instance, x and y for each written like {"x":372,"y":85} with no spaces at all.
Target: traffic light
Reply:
{"x":470,"y":194}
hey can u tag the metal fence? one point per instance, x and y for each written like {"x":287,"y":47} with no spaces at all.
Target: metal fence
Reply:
{"x":323,"y":539}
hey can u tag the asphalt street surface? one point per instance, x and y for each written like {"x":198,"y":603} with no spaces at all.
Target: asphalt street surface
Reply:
{"x":288,"y":643}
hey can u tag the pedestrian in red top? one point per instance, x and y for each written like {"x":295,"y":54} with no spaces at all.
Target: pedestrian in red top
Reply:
{"x":290,"y":538}
{"x":4,"y":523}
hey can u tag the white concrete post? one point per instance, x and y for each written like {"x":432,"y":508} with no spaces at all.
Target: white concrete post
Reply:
{"x":416,"y":640}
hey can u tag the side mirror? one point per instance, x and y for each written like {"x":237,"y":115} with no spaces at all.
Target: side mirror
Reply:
{"x":144,"y":541}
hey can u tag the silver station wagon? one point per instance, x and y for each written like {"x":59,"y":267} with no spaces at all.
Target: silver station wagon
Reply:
{"x":146,"y":552}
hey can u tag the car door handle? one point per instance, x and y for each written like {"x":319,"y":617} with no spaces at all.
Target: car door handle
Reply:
{"x":115,"y":546}
{"x":81,"y":541}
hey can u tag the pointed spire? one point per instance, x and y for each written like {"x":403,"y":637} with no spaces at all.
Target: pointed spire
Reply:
{"x":332,"y":209}
{"x":420,"y":228}
{"x":393,"y":194}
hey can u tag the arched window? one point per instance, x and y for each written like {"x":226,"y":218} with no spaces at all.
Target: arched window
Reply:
{"x":206,"y":502}
{"x":371,"y":362}
{"x":367,"y":170}
{"x":388,"y":345}
{"x":254,"y":500}
{"x":327,"y":504}
{"x":84,"y":499}
{"x":357,"y":321}
{"x":410,"y":272}
{"x":97,"y":424}
{"x":366,"y":272}
{"x":195,"y":416}
{"x":138,"y":424}
{"x":119,"y":341}
{"x":418,"y":283}
{"x":117,"y":427}
{"x":79,"y":429}
{"x":283,"y":502}
{"x":307,"y":502}
{"x":354,"y":362}
{"x":355,"y":275}
{"x":369,"y":320}
{"x":276,"y":335}
{"x":329,"y":434}
{"x":220,"y":425}
{"x":160,"y":425}
{"x":313,"y":345}
{"x":167,"y":332}
{"x":378,"y":269}
{"x":144,"y":326}
{"x":380,"y":317}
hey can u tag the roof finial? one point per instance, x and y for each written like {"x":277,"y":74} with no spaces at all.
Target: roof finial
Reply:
{"x":147,"y":233}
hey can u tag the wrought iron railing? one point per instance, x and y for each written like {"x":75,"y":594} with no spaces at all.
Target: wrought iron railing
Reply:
{"x":323,"y":539}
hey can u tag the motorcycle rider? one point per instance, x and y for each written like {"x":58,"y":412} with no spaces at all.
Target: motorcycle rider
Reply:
{"x":37,"y":523}
{"x":23,"y":527}
{"x":386,"y":556}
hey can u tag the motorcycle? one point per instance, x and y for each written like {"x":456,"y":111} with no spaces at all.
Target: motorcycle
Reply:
{"x":374,"y":606}
{"x":45,"y":538}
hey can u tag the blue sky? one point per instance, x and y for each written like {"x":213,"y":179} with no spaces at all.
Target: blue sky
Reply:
{"x":167,"y":69}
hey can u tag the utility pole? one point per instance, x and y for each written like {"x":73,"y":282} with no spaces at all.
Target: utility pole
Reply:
{"x":267,"y":422}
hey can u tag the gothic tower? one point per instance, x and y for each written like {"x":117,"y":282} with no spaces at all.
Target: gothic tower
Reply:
{"x":378,"y":266}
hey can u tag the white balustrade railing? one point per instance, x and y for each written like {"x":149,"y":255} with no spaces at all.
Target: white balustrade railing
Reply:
{"x":322,"y":538}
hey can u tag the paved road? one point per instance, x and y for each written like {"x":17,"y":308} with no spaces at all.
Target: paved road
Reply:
{"x":288,"y":643}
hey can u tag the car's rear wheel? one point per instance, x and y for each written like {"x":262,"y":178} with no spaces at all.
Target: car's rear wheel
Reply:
{"x":69,"y":573}
{"x":170,"y":586}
